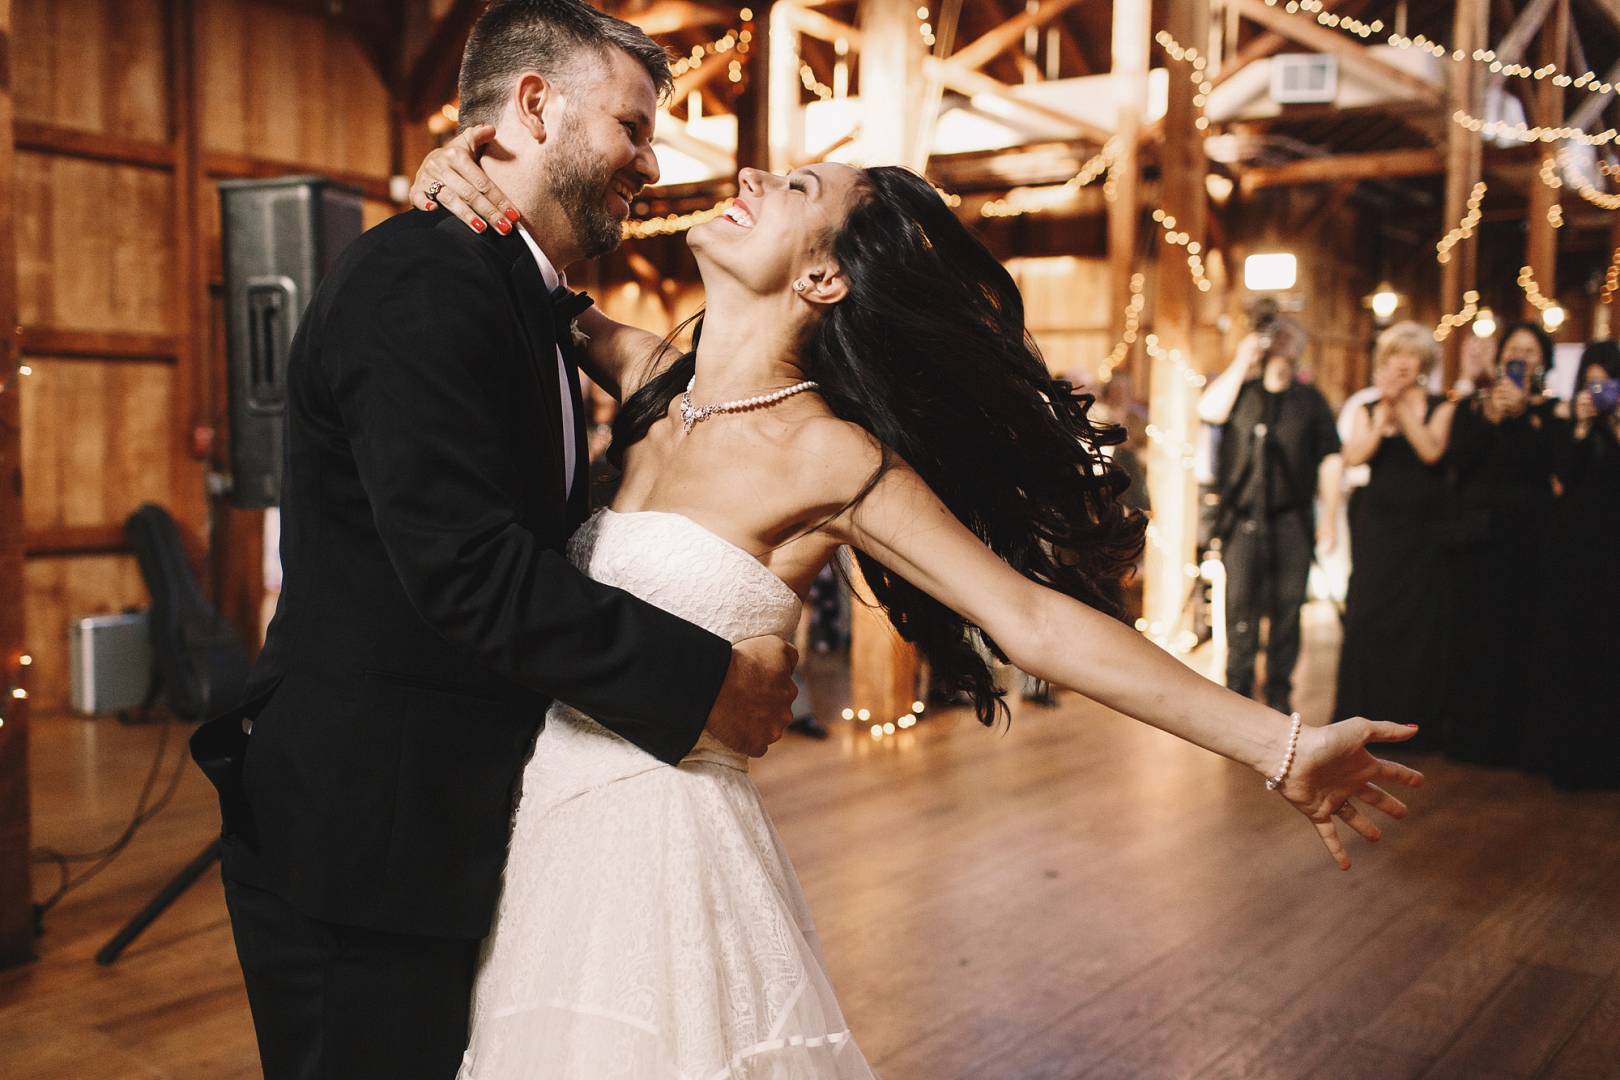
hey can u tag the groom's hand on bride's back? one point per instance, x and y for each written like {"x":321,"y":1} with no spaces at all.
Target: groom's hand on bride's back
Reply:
{"x":755,"y":704}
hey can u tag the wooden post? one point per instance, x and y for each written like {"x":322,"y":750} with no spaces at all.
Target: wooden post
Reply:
{"x":753,"y":105}
{"x":890,"y":74}
{"x":193,"y":396}
{"x":1172,"y":396}
{"x":780,"y":89}
{"x":882,"y":667}
{"x":16,"y":898}
{"x":1132,"y":25}
{"x":1465,"y":89}
{"x":1541,"y":238}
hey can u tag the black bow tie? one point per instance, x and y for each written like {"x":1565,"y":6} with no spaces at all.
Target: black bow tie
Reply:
{"x":567,"y":305}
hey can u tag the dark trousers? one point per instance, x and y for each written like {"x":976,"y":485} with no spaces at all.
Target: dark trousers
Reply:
{"x":341,"y":1003}
{"x":1267,"y":564}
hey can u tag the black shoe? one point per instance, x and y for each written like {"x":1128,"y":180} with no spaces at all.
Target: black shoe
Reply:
{"x":808,"y":725}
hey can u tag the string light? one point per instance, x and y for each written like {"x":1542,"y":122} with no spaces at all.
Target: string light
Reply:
{"x":1501,"y":129}
{"x":1550,"y":177}
{"x":1195,"y":256}
{"x":807,"y":75}
{"x":1053,"y":196}
{"x":738,"y":39}
{"x":1462,"y":317}
{"x":1465,"y":227}
{"x":1133,"y":323}
{"x":671,"y":224}
{"x":1539,"y":300}
{"x":1611,"y":279}
{"x":1197,"y":72}
{"x":1488,"y":58}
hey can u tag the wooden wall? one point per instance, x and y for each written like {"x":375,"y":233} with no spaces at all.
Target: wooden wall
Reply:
{"x":1068,"y":310}
{"x":127,"y":112}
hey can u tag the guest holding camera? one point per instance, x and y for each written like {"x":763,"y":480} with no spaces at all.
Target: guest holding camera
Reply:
{"x":1392,"y":609}
{"x":1276,"y":431}
{"x":1575,"y":732}
{"x":1501,"y":457}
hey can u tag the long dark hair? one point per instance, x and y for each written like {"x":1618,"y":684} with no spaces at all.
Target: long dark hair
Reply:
{"x":928,"y":352}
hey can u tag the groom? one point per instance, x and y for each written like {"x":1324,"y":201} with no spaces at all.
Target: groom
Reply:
{"x":435,"y":467}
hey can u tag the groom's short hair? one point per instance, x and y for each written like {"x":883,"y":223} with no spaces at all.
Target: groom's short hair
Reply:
{"x":549,"y":37}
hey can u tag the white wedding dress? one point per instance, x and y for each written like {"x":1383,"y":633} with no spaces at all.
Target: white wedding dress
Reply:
{"x":650,"y":926}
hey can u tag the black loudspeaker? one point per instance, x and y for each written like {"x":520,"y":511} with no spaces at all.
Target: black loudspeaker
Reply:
{"x":280,"y":237}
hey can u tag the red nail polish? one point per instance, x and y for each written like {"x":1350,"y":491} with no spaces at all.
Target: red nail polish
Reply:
{"x":512,"y":214}
{"x":502,"y":226}
{"x":431,"y":205}
{"x":478,"y":225}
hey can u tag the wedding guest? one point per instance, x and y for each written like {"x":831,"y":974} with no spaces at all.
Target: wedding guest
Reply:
{"x":1574,"y":733}
{"x":1392,"y":609}
{"x":1501,"y":457}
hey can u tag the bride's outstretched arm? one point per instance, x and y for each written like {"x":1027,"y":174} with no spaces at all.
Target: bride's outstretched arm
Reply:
{"x":903,"y":525}
{"x":618,"y":357}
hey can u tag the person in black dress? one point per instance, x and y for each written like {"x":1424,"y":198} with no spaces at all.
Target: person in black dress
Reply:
{"x":1392,"y":609}
{"x":1574,"y":733}
{"x":1501,"y":458}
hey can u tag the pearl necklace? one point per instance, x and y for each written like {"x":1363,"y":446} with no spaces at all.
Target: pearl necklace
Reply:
{"x":693,"y":415}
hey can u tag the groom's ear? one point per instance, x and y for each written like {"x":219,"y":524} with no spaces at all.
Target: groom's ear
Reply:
{"x":533,"y":97}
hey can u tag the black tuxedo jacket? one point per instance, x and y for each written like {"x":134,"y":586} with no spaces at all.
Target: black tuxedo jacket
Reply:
{"x":427,"y":615}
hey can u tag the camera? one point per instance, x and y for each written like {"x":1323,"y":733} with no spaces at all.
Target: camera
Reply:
{"x":1605,"y":394}
{"x":1517,"y":372}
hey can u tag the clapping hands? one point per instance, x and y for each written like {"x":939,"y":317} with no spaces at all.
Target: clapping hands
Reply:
{"x":1333,"y":771}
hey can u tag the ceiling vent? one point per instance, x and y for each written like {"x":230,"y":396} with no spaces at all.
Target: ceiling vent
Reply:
{"x":1304,"y":78}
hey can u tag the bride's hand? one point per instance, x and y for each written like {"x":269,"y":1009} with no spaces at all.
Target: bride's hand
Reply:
{"x":1333,"y":772}
{"x":467,"y":192}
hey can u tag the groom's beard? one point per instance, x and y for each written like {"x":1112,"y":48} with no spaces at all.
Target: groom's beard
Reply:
{"x":580,"y":186}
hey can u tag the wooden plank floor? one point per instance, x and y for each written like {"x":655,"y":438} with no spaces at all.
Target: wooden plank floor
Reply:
{"x":1078,"y":897}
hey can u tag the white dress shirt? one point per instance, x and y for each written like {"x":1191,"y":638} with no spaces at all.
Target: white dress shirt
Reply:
{"x":552,"y":279}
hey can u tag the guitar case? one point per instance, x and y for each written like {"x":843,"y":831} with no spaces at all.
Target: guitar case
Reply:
{"x":200,"y":664}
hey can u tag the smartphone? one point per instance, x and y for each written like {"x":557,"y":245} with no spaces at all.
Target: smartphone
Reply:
{"x":1605,"y":394}
{"x":1517,"y":372}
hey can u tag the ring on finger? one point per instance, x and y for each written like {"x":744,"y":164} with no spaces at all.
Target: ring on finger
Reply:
{"x":433,"y":189}
{"x":1345,"y":810}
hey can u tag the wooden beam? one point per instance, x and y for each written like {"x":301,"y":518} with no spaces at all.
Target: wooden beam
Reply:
{"x":1305,"y":31}
{"x":699,"y":77}
{"x":1465,"y":90}
{"x":1332,"y":168}
{"x":1510,"y":49}
{"x":1590,"y":111}
{"x":988,"y":46}
{"x":16,"y":899}
{"x":74,"y":540}
{"x":673,"y":16}
{"x":220,"y":165}
{"x":954,"y":77}
{"x":47,"y":341}
{"x":1541,"y":239}
{"x":1269,"y":43}
{"x":432,"y":79}
{"x":89,"y":146}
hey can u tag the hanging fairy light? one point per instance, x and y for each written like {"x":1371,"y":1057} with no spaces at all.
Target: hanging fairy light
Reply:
{"x":1133,"y":324}
{"x":1464,"y":228}
{"x":1551,"y":311}
{"x":1572,"y":178}
{"x":1501,"y":129}
{"x":1197,"y":68}
{"x":1461,"y":317}
{"x":738,"y":39}
{"x":1048,"y":198}
{"x":1195,"y":250}
{"x":1611,"y":278}
{"x":671,"y":224}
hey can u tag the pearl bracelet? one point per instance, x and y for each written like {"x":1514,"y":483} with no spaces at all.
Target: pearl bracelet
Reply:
{"x":1275,"y":782}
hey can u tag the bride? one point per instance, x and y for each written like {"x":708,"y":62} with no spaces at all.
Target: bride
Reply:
{"x":861,"y":377}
